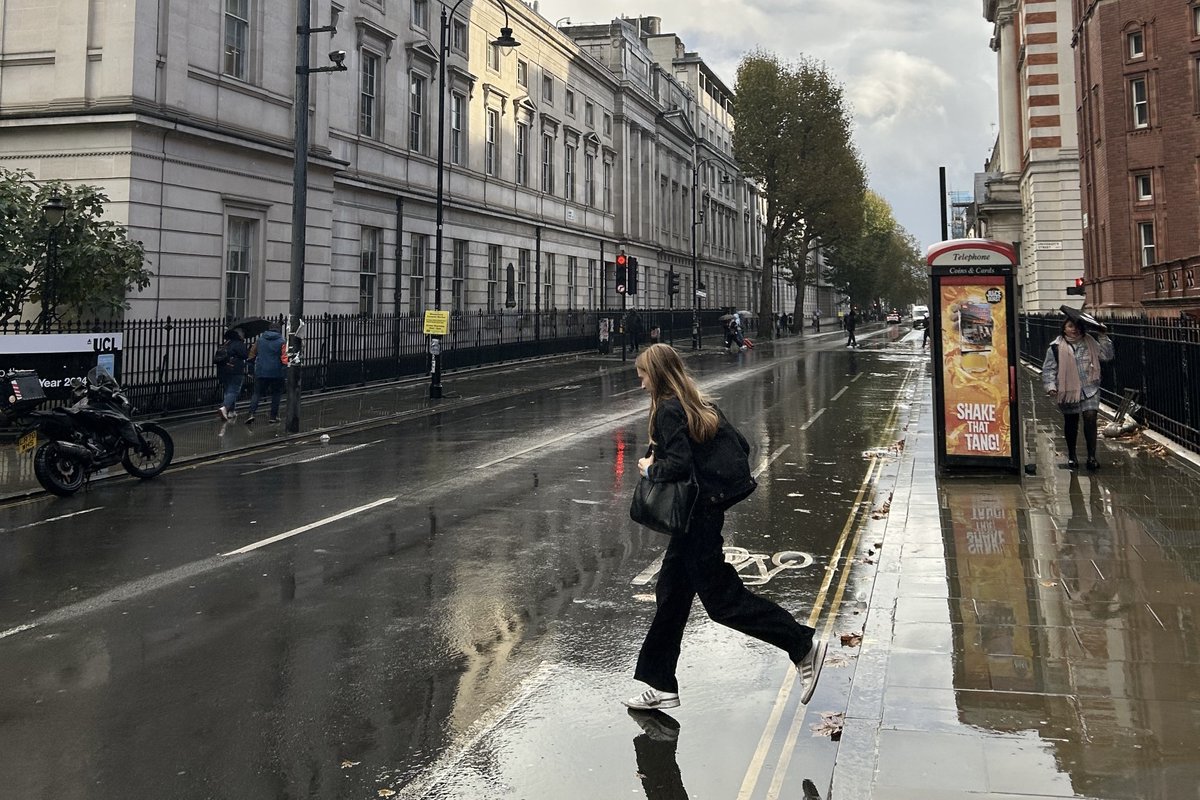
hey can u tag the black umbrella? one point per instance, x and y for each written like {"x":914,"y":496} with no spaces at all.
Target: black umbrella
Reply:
{"x":250,"y":326}
{"x":1079,"y":315}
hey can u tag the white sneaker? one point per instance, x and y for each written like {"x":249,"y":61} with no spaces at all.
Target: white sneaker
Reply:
{"x":223,"y":413}
{"x":810,"y":669}
{"x":651,"y":699}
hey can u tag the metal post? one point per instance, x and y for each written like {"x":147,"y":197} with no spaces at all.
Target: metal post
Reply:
{"x":435,"y":373}
{"x":300,"y":201}
{"x":695,"y":263}
{"x":299,"y":215}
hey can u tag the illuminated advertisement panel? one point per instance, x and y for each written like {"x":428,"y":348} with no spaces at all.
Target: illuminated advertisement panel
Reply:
{"x":975,"y":355}
{"x":975,"y":366}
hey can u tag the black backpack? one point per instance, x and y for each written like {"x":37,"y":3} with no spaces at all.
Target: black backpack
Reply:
{"x":221,"y":356}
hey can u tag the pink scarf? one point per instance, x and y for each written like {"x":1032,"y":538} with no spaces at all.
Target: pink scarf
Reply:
{"x":1070,"y":391}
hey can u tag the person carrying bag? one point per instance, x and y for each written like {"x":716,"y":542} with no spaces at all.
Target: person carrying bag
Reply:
{"x":692,"y":440}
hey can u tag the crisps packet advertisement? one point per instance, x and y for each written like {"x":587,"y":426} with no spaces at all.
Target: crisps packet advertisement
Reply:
{"x":975,"y":366}
{"x":977,"y":411}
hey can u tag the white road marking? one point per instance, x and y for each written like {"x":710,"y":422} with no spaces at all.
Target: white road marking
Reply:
{"x":812,"y":419}
{"x":51,"y":519}
{"x":329,"y":454}
{"x":834,"y":399}
{"x":647,"y":575}
{"x":768,"y":461}
{"x":308,"y":527}
{"x":17,"y":629}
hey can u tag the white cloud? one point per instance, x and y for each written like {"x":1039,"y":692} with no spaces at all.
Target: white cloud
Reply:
{"x":919,"y":74}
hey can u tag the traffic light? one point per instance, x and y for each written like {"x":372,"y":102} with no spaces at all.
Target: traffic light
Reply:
{"x":672,"y":282}
{"x":1077,"y":288}
{"x":632,"y":275}
{"x":622,"y":273}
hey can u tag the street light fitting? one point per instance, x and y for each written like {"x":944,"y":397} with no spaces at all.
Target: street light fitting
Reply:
{"x":54,"y":209}
{"x":338,"y":57}
{"x":505,"y":40}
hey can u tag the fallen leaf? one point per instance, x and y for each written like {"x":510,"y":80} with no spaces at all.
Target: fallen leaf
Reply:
{"x":851,"y":639}
{"x":831,"y":725}
{"x":1049,"y":584}
{"x":386,"y":793}
{"x":349,"y":764}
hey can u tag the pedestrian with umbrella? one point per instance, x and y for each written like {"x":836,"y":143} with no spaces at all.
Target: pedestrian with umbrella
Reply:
{"x":1071,"y":377}
{"x":230,"y":360}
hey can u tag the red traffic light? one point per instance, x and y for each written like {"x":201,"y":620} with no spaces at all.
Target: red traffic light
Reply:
{"x":621,"y":260}
{"x":1077,"y":288}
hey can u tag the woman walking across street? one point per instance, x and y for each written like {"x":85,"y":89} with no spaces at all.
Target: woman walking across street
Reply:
{"x":689,"y":434}
{"x":1071,"y":375}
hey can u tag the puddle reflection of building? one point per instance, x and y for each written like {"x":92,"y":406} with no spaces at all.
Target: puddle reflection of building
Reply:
{"x":654,"y":749}
{"x":1059,"y":632}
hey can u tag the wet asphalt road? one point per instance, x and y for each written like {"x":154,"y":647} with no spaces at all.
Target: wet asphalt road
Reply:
{"x":443,"y":608}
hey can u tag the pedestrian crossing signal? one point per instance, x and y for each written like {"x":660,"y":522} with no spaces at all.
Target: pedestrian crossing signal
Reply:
{"x":672,"y":282}
{"x":632,"y":275}
{"x":1077,"y":288}
{"x":622,"y":273}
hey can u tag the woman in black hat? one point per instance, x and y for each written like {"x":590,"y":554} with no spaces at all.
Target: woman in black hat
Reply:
{"x":1071,"y":375}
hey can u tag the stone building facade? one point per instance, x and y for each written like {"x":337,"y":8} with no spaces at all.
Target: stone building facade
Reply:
{"x":1029,"y":193}
{"x":559,"y":153}
{"x":1138,"y":99}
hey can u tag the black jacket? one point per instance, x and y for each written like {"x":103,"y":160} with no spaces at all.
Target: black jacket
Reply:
{"x":721,"y":464}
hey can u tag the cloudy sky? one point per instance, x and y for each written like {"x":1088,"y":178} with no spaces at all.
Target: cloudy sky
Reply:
{"x":918,"y":73}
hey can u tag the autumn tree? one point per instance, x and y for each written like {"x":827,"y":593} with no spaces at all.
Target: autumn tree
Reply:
{"x":97,"y":264}
{"x":793,"y":137}
{"x":882,"y":262}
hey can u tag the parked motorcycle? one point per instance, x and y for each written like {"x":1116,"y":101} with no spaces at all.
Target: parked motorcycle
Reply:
{"x":96,"y":431}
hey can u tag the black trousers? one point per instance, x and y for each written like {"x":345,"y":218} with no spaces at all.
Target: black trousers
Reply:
{"x":694,"y":564}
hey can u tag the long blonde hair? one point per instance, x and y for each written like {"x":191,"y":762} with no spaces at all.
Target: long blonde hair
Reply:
{"x":668,"y":378}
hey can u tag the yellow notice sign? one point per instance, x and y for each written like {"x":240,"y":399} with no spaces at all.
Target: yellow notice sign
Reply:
{"x":437,"y":323}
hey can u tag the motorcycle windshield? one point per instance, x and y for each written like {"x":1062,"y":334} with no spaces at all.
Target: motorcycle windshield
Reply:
{"x":99,"y":376}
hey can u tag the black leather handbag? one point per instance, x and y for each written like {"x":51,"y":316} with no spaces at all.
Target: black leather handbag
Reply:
{"x":665,"y":507}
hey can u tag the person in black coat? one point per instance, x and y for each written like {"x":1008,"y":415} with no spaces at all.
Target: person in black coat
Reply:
{"x":850,"y":323}
{"x":232,"y":372}
{"x":690,"y":435}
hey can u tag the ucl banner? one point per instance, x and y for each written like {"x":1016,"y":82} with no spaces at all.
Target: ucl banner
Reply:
{"x":975,"y":354}
{"x":59,"y":357}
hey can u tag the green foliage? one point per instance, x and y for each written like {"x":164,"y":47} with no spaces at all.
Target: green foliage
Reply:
{"x":97,"y":263}
{"x":882,"y":262}
{"x":793,"y":137}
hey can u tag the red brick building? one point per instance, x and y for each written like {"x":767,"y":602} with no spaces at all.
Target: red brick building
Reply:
{"x":1138,"y":104}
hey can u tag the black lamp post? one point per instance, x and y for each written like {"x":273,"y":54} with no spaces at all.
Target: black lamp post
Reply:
{"x":53,"y":212}
{"x":505,"y":40}
{"x":304,"y":31}
{"x":697,"y":221}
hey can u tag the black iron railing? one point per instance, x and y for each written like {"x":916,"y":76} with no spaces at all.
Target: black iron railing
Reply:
{"x":166,"y":364}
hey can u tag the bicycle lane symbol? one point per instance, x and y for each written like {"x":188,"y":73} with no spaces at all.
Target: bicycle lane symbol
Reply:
{"x":755,"y":569}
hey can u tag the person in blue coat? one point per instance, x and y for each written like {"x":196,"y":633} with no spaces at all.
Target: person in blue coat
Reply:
{"x":269,"y":370}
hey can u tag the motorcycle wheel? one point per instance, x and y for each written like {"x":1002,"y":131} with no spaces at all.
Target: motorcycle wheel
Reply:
{"x":160,"y":448}
{"x":58,"y":472}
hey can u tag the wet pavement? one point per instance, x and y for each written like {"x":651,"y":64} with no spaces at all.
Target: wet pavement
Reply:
{"x":1031,"y":637}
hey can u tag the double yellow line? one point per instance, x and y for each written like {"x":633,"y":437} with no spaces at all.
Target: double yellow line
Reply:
{"x":841,"y":557}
